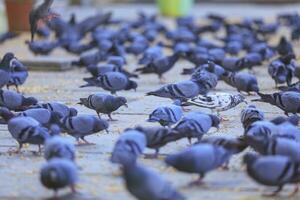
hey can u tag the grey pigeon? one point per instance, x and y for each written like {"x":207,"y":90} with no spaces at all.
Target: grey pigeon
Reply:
{"x":262,"y":129}
{"x":59,"y":147}
{"x":15,"y":101}
{"x":196,"y":124}
{"x":42,"y":47}
{"x":199,"y":159}
{"x":146,"y":184}
{"x":251,"y":114}
{"x":241,"y":81}
{"x":112,"y":81}
{"x":272,"y":171}
{"x":19,"y":74}
{"x":158,"y":137}
{"x":59,"y":173}
{"x":39,"y":15}
{"x":288,"y":101}
{"x":103,"y":103}
{"x":182,"y":90}
{"x":129,"y":146}
{"x":118,"y":61}
{"x":151,"y":54}
{"x":166,"y":115}
{"x":5,"y":67}
{"x":83,"y":125}
{"x":281,"y":72}
{"x":58,"y":107}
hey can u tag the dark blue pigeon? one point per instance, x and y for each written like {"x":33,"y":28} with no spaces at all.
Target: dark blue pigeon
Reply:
{"x":19,"y":74}
{"x":59,"y":147}
{"x":58,"y":173}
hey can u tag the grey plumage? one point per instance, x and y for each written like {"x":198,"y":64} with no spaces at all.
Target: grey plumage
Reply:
{"x":58,"y":107}
{"x":103,"y":103}
{"x":262,"y":129}
{"x":83,"y":125}
{"x":251,"y":114}
{"x":196,"y":124}
{"x":166,"y":115}
{"x":158,"y":137}
{"x":272,"y":170}
{"x":288,"y":101}
{"x":59,"y":147}
{"x":59,"y":173}
{"x":241,"y":81}
{"x":112,"y":81}
{"x":199,"y":159}
{"x":15,"y":101}
{"x":146,"y":184}
{"x":281,"y":72}
{"x":178,"y":91}
{"x":129,"y":146}
{"x":5,"y":65}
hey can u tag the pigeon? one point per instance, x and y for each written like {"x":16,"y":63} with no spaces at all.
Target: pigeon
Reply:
{"x":59,"y":173}
{"x":288,"y":101}
{"x":262,"y":128}
{"x":284,"y":47}
{"x":158,"y":137}
{"x":103,"y":103}
{"x":232,"y":64}
{"x":7,"y":36}
{"x":83,"y":125}
{"x":146,"y":184}
{"x":89,"y":58}
{"x":160,"y":66}
{"x":182,"y":90}
{"x":151,"y":54}
{"x":196,"y":124}
{"x":281,"y":72}
{"x":293,"y":87}
{"x":42,"y":47}
{"x":15,"y":101}
{"x":199,"y":159}
{"x":26,"y":130}
{"x":206,"y":77}
{"x":251,"y":114}
{"x":58,"y":107}
{"x":272,"y":171}
{"x":218,"y":102}
{"x":40,"y":15}
{"x":241,"y":81}
{"x":112,"y":81}
{"x":19,"y":74}
{"x":98,"y":70}
{"x":5,"y":67}
{"x":118,"y":61}
{"x":128,"y":147}
{"x":59,"y":147}
{"x":167,"y":115}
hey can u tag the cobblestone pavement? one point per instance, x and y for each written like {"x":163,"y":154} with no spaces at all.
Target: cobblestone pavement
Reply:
{"x":19,"y":174}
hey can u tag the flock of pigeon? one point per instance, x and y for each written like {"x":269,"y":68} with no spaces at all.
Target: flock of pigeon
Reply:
{"x":234,"y":46}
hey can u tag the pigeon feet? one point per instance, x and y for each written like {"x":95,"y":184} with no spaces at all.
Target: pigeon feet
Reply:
{"x":273,"y":194}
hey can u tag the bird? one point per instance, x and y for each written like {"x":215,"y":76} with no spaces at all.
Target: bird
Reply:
{"x":251,"y":114}
{"x":59,"y":173}
{"x":59,"y":147}
{"x":196,"y":124}
{"x":288,"y":101}
{"x":199,"y":159}
{"x":42,"y":47}
{"x":264,"y":128}
{"x":146,"y":184}
{"x":40,"y":15}
{"x":118,"y":61}
{"x":160,"y":66}
{"x":275,"y":171}
{"x":284,"y":47}
{"x":151,"y":54}
{"x":103,"y":103}
{"x":5,"y":69}
{"x":158,"y":137}
{"x":112,"y":81}
{"x":15,"y":101}
{"x":241,"y":81}
{"x":129,"y":146}
{"x":83,"y":125}
{"x":62,"y":109}
{"x":98,"y":70}
{"x":167,"y":115}
{"x":18,"y":74}
{"x":182,"y":90}
{"x":216,"y":102}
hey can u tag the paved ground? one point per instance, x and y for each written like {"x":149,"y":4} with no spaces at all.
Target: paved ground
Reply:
{"x":19,"y":174}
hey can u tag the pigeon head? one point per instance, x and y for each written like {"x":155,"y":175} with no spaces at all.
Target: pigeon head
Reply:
{"x":29,"y":101}
{"x":7,"y":59}
{"x":83,"y":101}
{"x":268,"y":98}
{"x":215,"y":121}
{"x":6,"y":114}
{"x":55,"y":117}
{"x":250,"y":158}
{"x":121,"y":101}
{"x":73,"y":112}
{"x":132,"y":85}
